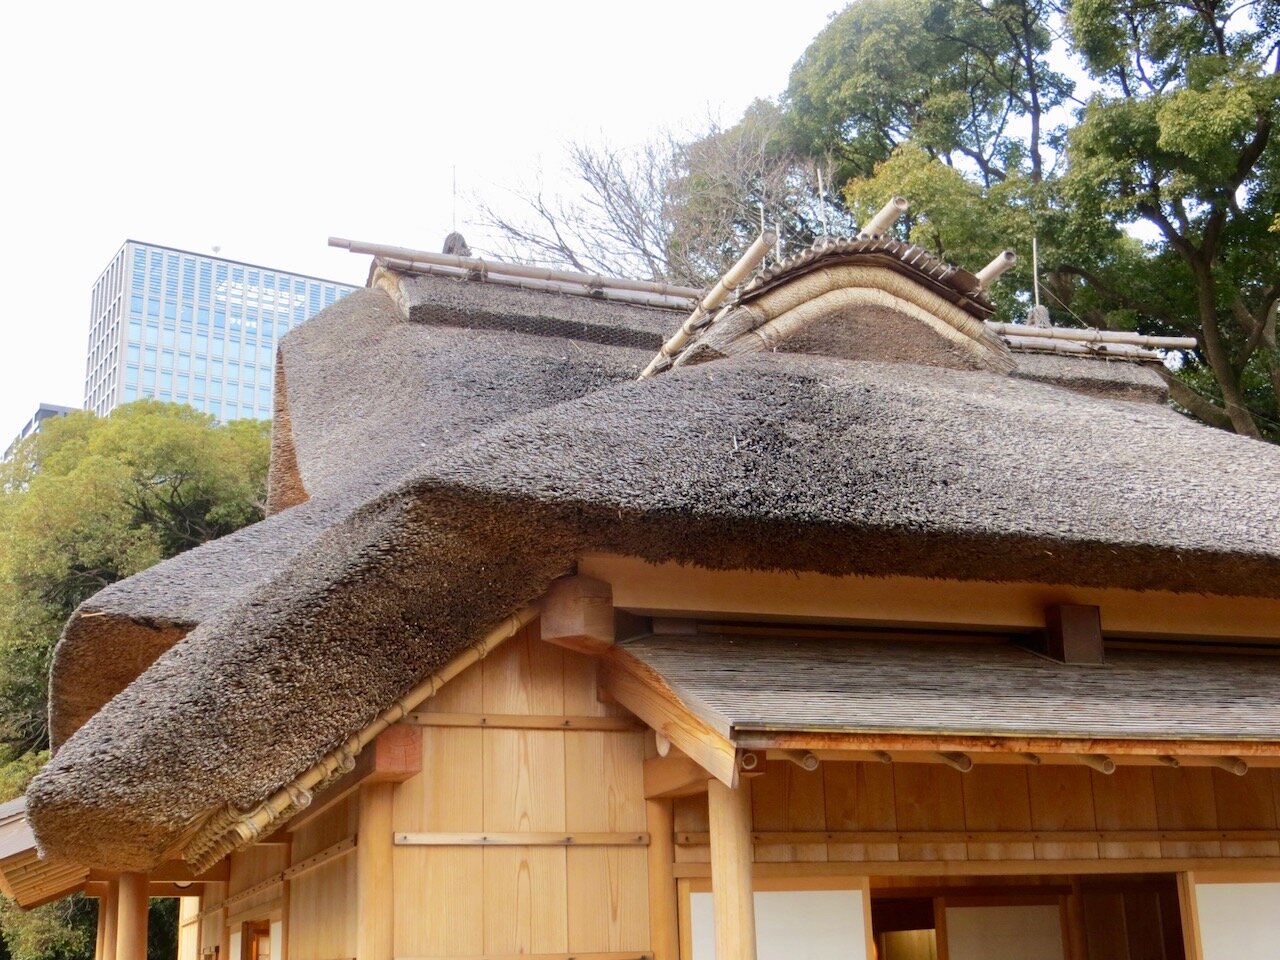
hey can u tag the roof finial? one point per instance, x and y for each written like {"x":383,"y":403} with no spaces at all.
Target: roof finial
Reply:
{"x":886,"y":218}
{"x":455,"y":245}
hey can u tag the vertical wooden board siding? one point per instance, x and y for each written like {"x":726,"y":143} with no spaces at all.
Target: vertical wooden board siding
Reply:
{"x":604,"y":781}
{"x":1125,"y":800}
{"x":463,"y":694}
{"x":1185,"y":801}
{"x":524,"y":782}
{"x":691,"y":816}
{"x":439,"y":905}
{"x":929,"y":796}
{"x":581,"y":694}
{"x":1245,"y":803}
{"x":336,"y":823}
{"x":525,"y":908}
{"x":524,"y":676}
{"x":608,"y":899}
{"x":213,"y":924}
{"x":322,"y":912}
{"x":251,"y":865}
{"x":860,"y":797}
{"x":787,"y":798}
{"x":1062,"y":799}
{"x":448,"y":795}
{"x":997,"y":798}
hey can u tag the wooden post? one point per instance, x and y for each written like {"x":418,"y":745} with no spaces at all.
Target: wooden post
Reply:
{"x":131,"y":917}
{"x":374,"y":900}
{"x":731,"y":887}
{"x":105,"y":949}
{"x":1190,"y":914}
{"x":664,"y":927}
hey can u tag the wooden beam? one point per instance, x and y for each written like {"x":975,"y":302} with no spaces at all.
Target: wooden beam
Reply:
{"x":131,"y":917}
{"x":821,"y":743}
{"x":503,"y":721}
{"x":577,"y":612}
{"x":732,"y":893}
{"x":642,"y":691}
{"x":666,"y":777}
{"x":374,"y":880}
{"x":1073,"y":634}
{"x":664,"y":927}
{"x":176,"y":871}
{"x":696,"y":838}
{"x":521,"y":839}
{"x":394,"y":757}
{"x":673,"y":589}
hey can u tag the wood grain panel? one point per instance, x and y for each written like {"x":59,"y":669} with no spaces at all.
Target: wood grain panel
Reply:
{"x":788,"y":798}
{"x":524,"y":675}
{"x":1125,"y":800}
{"x":690,"y":814}
{"x":997,"y":798}
{"x":526,"y":909}
{"x":1245,"y":803}
{"x":1061,"y":799}
{"x":929,"y":797}
{"x":1185,"y":801}
{"x":859,"y":796}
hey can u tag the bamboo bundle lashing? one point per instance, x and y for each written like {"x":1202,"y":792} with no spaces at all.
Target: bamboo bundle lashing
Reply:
{"x":718,"y":294}
{"x":1091,"y":335}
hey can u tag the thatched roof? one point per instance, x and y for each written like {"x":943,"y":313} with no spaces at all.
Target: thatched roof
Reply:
{"x":455,"y":448}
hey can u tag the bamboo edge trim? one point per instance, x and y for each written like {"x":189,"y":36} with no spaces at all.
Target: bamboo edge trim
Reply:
{"x":527,"y":839}
{"x":803,"y":838}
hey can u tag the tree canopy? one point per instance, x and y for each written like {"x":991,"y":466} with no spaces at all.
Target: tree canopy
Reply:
{"x":85,"y":502}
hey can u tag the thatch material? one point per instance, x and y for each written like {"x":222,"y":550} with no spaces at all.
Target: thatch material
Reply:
{"x":456,"y":467}
{"x":1096,"y":377}
{"x":741,"y":684}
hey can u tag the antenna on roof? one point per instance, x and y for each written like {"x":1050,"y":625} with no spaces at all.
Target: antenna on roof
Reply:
{"x":1035,"y":268}
{"x":454,"y":228}
{"x":777,"y":244}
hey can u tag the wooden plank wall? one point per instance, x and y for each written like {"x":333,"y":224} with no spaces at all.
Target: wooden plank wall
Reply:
{"x":503,"y":901}
{"x":321,"y":903}
{"x":1028,"y":801}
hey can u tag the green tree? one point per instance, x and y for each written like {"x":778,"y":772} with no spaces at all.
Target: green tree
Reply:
{"x":1181,"y":137}
{"x":86,"y":502}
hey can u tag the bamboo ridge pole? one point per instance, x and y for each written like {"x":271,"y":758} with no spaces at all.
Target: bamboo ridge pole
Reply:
{"x":719,"y":293}
{"x":1090,"y":335}
{"x":226,"y":831}
{"x":514,"y":269}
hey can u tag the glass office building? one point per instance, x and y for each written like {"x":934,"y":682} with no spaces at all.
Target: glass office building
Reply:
{"x":193,"y":329}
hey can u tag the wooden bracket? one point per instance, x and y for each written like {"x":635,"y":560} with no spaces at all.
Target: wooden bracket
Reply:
{"x":673,"y":776}
{"x":577,"y":612}
{"x":1073,"y":634}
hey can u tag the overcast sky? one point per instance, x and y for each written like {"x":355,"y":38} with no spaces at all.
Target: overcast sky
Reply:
{"x":266,"y":127}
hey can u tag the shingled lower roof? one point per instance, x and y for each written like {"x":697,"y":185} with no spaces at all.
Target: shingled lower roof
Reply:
{"x":741,"y":685}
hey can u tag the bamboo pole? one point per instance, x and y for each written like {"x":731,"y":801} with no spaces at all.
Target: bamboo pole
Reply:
{"x":886,"y":217}
{"x":223,"y":833}
{"x":989,"y":274}
{"x":514,"y":269}
{"x":718,"y":294}
{"x":1230,"y":764}
{"x":131,"y":918}
{"x":666,"y":301}
{"x":1091,"y":335}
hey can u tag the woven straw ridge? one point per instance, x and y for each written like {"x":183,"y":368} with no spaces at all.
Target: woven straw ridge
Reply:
{"x":461,"y":448}
{"x":836,"y":279}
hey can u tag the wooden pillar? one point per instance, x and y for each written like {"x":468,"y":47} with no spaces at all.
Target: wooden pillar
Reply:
{"x":1190,"y":912}
{"x":664,"y":927}
{"x":374,"y":911}
{"x":731,"y":891}
{"x":131,"y":917}
{"x":105,"y":948}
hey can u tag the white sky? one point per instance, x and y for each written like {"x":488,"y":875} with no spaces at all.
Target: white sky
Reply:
{"x":266,"y":127}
